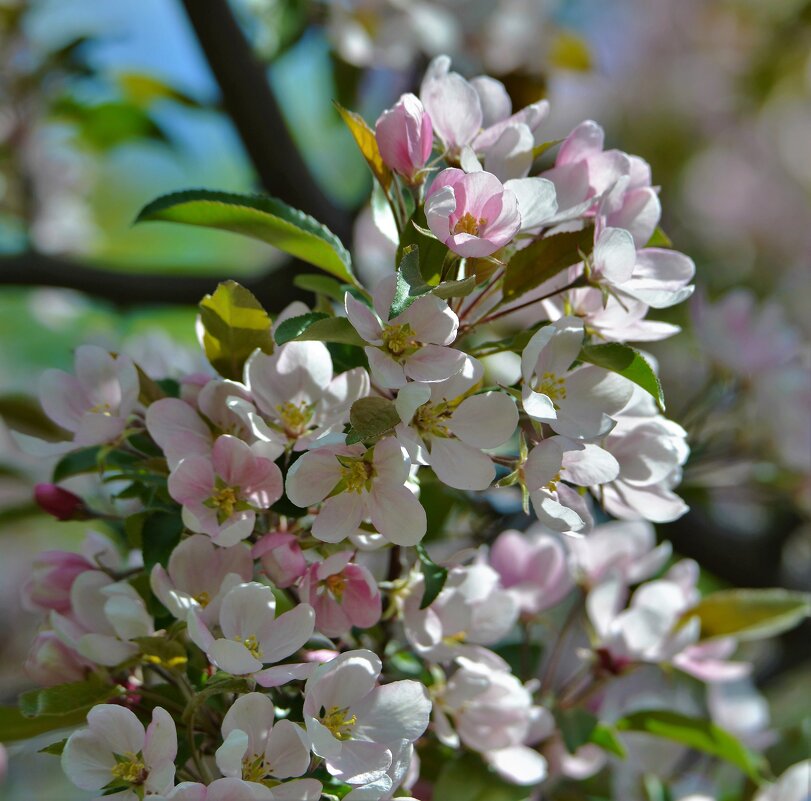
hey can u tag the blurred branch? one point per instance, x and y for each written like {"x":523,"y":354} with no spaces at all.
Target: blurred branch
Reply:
{"x":251,"y":104}
{"x":274,"y":289}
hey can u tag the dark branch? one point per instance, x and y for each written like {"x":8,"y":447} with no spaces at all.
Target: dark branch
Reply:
{"x":249,"y":101}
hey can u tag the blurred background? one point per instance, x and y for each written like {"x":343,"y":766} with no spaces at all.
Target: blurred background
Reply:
{"x":104,"y":106}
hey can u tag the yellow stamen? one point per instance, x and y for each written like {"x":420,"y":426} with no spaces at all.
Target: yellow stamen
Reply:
{"x":399,"y":339}
{"x":339,"y":723}
{"x":295,"y":417}
{"x":468,"y":224}
{"x":553,"y":387}
{"x":357,"y":475}
{"x":204,"y":599}
{"x":455,"y":639}
{"x":430,"y":419}
{"x":252,"y":644}
{"x":336,"y":584}
{"x":102,"y":408}
{"x":130,"y":768}
{"x":224,"y":500}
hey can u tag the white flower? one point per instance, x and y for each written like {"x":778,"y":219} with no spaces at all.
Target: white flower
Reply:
{"x":115,"y":748}
{"x":793,"y":785}
{"x":356,"y":725}
{"x":356,"y":484}
{"x":446,"y":426}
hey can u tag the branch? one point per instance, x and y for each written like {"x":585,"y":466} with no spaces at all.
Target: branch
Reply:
{"x":274,"y":289}
{"x":252,"y":106}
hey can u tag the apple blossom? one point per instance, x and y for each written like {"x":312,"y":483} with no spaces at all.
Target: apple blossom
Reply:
{"x":411,"y":345}
{"x":472,"y":213}
{"x":115,"y":750}
{"x":59,"y":502}
{"x":354,"y":484}
{"x":405,"y":136}
{"x":281,"y":558}
{"x":95,"y":403}
{"x":51,"y":662}
{"x":221,"y":494}
{"x":198,"y":576}
{"x":222,"y":790}
{"x":446,"y":426}
{"x":343,"y":595}
{"x":353,"y":723}
{"x":178,"y":429}
{"x":793,"y":785}
{"x":253,"y":636}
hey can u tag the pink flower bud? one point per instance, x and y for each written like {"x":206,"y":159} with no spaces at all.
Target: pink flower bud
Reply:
{"x":405,"y":136}
{"x":281,"y":558}
{"x":472,"y":213}
{"x":51,"y":662}
{"x":60,"y":503}
{"x":52,"y":576}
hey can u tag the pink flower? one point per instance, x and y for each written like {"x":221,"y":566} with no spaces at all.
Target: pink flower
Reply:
{"x":59,"y":502}
{"x":221,"y":495}
{"x":115,"y":748}
{"x":198,"y":576}
{"x":405,"y":136}
{"x":51,"y":662}
{"x":532,"y":568}
{"x":473,"y":214}
{"x":96,"y":402}
{"x":355,"y":485}
{"x":411,"y":345}
{"x":252,"y":635}
{"x":281,"y":558}
{"x":343,"y":595}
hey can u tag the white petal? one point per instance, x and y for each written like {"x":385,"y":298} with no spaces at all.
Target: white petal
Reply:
{"x":460,"y":465}
{"x":486,"y":420}
{"x":537,"y":200}
{"x":397,"y":514}
{"x":340,"y":516}
{"x":230,"y":754}
{"x":518,"y":764}
{"x":233,"y":657}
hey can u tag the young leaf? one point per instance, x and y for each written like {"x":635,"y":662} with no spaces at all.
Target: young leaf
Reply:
{"x":234,"y":326}
{"x":16,"y":726}
{"x":432,"y":251}
{"x":605,"y":737}
{"x":365,"y":139}
{"x":264,"y":218}
{"x":628,"y":362}
{"x":410,"y":284}
{"x":85,"y":460}
{"x":64,"y":699}
{"x":372,"y":417}
{"x":659,"y":239}
{"x":694,"y":733}
{"x":750,"y":614}
{"x":544,"y":259}
{"x":576,"y":727}
{"x":434,"y":575}
{"x":455,"y":289}
{"x":54,"y":748}
{"x":318,"y":327}
{"x":321,"y":285}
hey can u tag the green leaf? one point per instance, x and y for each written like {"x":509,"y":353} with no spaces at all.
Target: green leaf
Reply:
{"x":66,"y":699}
{"x":318,"y":327}
{"x":750,"y":614}
{"x":659,"y":239}
{"x":410,"y":284}
{"x":455,"y":289}
{"x":54,"y":748}
{"x":540,"y":149}
{"x":235,"y":325}
{"x":432,"y":251}
{"x":160,"y":533}
{"x":372,"y":417}
{"x":366,"y":141}
{"x":576,"y":727}
{"x":697,"y":733}
{"x":264,"y":218}
{"x":16,"y":726}
{"x":434,"y":575}
{"x":85,"y":460}
{"x":629,"y":363}
{"x":514,"y":343}
{"x":149,"y":389}
{"x":569,"y":51}
{"x":467,"y":778}
{"x":23,"y":413}
{"x":321,"y":285}
{"x":606,"y":738}
{"x":544,"y":259}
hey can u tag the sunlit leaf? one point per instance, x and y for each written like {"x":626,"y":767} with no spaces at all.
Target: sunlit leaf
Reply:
{"x":372,"y":417}
{"x":66,"y":699}
{"x":434,"y":575}
{"x":365,"y":139}
{"x":629,"y":363}
{"x":410,"y":284}
{"x":317,"y":327}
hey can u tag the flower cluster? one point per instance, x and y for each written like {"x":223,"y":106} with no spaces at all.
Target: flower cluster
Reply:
{"x":277,"y":603}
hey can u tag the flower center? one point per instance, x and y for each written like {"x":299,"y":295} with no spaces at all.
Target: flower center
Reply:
{"x":102,"y":408}
{"x":203,"y":598}
{"x":455,"y":639}
{"x":431,"y":420}
{"x":468,"y":224}
{"x":552,"y":486}
{"x":357,"y":475}
{"x":255,"y":769}
{"x":129,"y":768}
{"x":336,"y":584}
{"x":338,"y":722}
{"x":224,"y":500}
{"x":553,"y":387}
{"x":399,"y":340}
{"x":252,"y":644}
{"x":295,"y":417}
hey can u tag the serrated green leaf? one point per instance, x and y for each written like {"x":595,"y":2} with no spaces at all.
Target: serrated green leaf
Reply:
{"x":544,"y":259}
{"x":318,"y":327}
{"x":85,"y":460}
{"x":264,"y":218}
{"x":235,"y":325}
{"x":67,"y":699}
{"x":321,"y":285}
{"x":372,"y":417}
{"x":697,"y":733}
{"x":410,"y":284}
{"x":15,"y":726}
{"x":434,"y":575}
{"x":455,"y":289}
{"x":627,"y":362}
{"x":750,"y":614}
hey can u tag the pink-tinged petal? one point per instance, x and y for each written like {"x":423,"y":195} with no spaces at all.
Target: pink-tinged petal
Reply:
{"x":410,"y":398}
{"x":287,"y":751}
{"x":563,"y":347}
{"x":614,"y":255}
{"x":117,"y":728}
{"x":339,"y":517}
{"x":233,"y":461}
{"x":383,"y":296}
{"x":391,"y":462}
{"x":572,"y":189}
{"x":531,"y":116}
{"x":361,"y":597}
{"x":178,"y":430}
{"x":363,"y":319}
{"x":342,"y":392}
{"x":518,"y":764}
{"x":495,"y":101}
{"x":396,"y":513}
{"x":253,"y":714}
{"x":282,"y":674}
{"x":63,"y":398}
{"x":233,"y":657}
{"x":343,"y":681}
{"x":432,"y":320}
{"x":460,"y":465}
{"x":385,"y":371}
{"x":440,"y":206}
{"x":452,"y":104}
{"x":160,"y":745}
{"x":97,"y":374}
{"x":246,"y":609}
{"x":235,"y":747}
{"x":198,"y":631}
{"x":360,"y":762}
{"x":395,"y":711}
{"x":297,"y":790}
{"x":86,"y":762}
{"x":588,"y":465}
{"x":510,"y":156}
{"x":543,"y":463}
{"x":604,"y":603}
{"x":283,"y":636}
{"x":553,"y":514}
{"x":330,"y":617}
{"x":584,"y":141}
{"x":658,"y":504}
{"x":312,"y":477}
{"x":537,"y":200}
{"x":237,"y":528}
{"x":640,"y":214}
{"x":97,"y":429}
{"x":486,"y":420}
{"x":105,"y":649}
{"x":538,"y":406}
{"x":434,"y":363}
{"x":192,"y":481}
